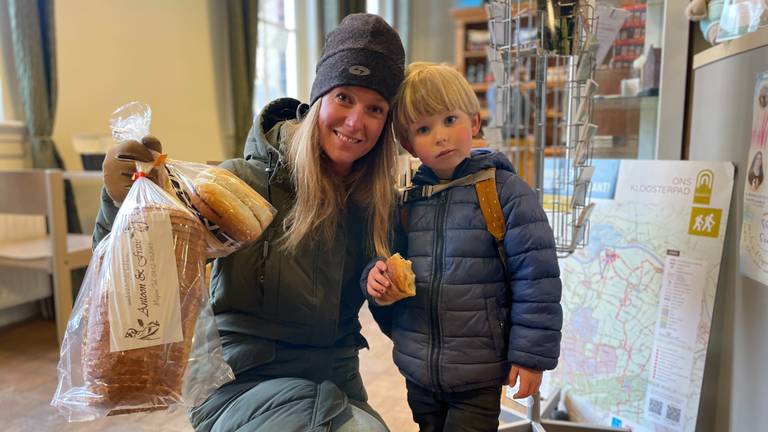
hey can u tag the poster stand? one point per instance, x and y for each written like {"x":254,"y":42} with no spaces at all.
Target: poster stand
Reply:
{"x":539,"y":419}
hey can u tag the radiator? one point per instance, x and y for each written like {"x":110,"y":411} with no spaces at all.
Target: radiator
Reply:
{"x":19,"y":288}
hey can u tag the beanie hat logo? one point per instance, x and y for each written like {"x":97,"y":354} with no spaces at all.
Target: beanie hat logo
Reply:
{"x":359,"y":70}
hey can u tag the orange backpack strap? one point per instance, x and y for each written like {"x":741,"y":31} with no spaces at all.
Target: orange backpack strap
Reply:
{"x":488,"y":197}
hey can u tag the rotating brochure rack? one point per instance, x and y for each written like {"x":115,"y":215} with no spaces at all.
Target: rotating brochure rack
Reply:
{"x":542,"y":57}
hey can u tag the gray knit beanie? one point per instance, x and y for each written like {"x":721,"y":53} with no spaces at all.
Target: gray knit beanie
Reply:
{"x":363,"y":50}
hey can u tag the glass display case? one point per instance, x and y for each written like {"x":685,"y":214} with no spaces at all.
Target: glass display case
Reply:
{"x":641,"y":71}
{"x":629,"y":76}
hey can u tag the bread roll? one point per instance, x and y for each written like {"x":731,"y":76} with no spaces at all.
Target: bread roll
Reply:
{"x":230,"y":203}
{"x":260,"y":207}
{"x":400,"y":272}
{"x":150,"y":378}
{"x":228,"y":212}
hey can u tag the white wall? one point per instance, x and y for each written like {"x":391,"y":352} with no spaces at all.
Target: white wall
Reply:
{"x":735,"y":388}
{"x":432,"y":36}
{"x":172,"y":55}
{"x":169,"y":54}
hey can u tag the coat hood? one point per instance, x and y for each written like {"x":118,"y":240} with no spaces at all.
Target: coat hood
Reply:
{"x":262,"y":143}
{"x":479,"y":159}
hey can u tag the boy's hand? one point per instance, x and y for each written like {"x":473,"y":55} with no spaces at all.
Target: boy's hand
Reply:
{"x":530,"y":381}
{"x":379,"y":283}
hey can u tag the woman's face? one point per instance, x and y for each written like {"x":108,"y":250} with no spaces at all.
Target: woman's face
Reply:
{"x":758,"y":164}
{"x":350,"y":123}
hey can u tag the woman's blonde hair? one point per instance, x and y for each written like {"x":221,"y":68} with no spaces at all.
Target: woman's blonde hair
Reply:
{"x":429,"y":89}
{"x":321,"y":196}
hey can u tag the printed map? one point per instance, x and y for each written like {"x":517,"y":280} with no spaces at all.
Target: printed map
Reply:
{"x":611,"y":305}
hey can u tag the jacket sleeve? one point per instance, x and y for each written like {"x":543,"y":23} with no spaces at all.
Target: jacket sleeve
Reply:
{"x":381,"y":314}
{"x":536,"y":316}
{"x":364,"y":279}
{"x":399,"y":240}
{"x":399,"y":233}
{"x":252,"y":173}
{"x":105,"y":218}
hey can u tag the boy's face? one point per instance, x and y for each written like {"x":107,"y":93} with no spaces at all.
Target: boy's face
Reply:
{"x":443,"y":140}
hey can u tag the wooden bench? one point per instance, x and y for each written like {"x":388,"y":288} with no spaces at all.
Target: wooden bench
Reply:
{"x":41,"y":192}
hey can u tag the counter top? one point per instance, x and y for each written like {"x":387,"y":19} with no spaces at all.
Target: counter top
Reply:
{"x":730,"y":48}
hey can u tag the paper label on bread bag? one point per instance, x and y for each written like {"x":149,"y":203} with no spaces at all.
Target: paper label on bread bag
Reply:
{"x":143,"y":299}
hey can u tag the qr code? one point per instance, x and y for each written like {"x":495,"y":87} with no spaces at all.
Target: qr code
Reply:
{"x":673,"y":413}
{"x":654,"y":406}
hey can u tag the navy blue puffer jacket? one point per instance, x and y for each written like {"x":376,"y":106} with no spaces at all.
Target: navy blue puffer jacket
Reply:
{"x":465,"y":326}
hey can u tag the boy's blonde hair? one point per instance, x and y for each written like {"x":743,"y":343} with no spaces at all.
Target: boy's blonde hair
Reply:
{"x":429,"y":89}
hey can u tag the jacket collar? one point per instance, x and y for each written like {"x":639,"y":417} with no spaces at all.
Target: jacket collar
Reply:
{"x":479,"y":159}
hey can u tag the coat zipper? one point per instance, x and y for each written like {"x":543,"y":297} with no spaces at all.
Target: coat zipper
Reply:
{"x":437,"y":271}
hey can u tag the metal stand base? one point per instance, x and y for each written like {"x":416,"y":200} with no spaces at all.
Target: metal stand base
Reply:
{"x":512,"y":421}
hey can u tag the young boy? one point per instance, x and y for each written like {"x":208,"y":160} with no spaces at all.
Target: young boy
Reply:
{"x":474,"y":323}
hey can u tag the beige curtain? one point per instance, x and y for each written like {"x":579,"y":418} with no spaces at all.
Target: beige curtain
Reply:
{"x":34,"y":56}
{"x":242,"y":20}
{"x":335,"y":10}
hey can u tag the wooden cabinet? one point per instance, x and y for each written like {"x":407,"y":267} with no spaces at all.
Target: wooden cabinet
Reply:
{"x":471,"y":33}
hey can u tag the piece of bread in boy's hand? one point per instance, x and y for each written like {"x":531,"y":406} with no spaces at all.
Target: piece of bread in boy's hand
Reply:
{"x":400,"y":272}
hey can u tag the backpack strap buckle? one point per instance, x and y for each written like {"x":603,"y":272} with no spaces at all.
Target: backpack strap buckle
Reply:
{"x":416,"y":193}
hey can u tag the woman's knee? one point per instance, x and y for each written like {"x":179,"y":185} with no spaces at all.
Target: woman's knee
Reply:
{"x":354,"y":419}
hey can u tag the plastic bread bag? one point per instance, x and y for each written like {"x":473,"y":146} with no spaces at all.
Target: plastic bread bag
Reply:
{"x":142,"y":336}
{"x":233,"y":214}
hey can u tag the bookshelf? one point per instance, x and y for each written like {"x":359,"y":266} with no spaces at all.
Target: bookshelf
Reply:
{"x":471,"y":33}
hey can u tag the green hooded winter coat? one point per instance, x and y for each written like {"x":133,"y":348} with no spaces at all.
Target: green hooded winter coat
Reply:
{"x":266,"y":301}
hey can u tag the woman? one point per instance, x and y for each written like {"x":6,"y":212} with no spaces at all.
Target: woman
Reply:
{"x":287,"y":307}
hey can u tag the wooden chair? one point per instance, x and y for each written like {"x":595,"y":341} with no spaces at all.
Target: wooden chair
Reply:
{"x":41,"y":192}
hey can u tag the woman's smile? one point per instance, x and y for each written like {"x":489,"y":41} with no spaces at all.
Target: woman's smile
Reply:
{"x":346,"y":138}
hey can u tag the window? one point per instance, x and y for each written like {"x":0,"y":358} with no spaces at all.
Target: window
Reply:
{"x":373,"y":6}
{"x":276,"y":59}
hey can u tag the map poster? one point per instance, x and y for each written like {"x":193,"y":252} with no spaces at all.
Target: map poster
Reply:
{"x":754,"y":227}
{"x":638,"y":299}
{"x":675,"y":339}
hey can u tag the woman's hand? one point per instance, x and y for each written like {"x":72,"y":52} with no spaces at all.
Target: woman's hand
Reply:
{"x":530,"y":381}
{"x":120,"y":164}
{"x":379,"y":283}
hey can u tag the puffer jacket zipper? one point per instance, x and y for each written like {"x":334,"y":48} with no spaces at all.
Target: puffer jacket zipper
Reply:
{"x":437,"y":271}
